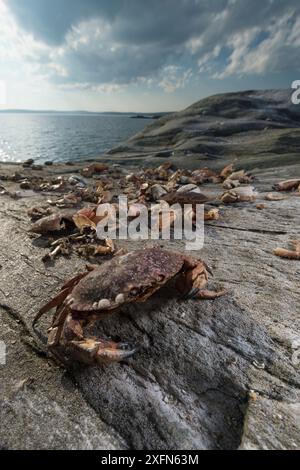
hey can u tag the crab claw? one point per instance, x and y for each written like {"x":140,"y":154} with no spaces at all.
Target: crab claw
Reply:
{"x":103,"y":352}
{"x":192,"y":283}
{"x":115,"y":352}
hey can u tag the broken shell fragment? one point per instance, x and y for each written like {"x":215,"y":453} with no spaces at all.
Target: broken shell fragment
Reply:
{"x":164,"y":218}
{"x":52,"y":255}
{"x":36,"y":213}
{"x":53,"y":223}
{"x":227,"y":171}
{"x":274,"y":197}
{"x":241,"y":177}
{"x":212,"y":214}
{"x":157,"y":192}
{"x":288,"y":185}
{"x":186,"y":198}
{"x":289,"y":254}
{"x":187,"y":188}
{"x":25,"y":184}
{"x":241,"y":194}
{"x":246,"y":193}
{"x":229,"y":197}
{"x":205,"y":175}
{"x":74,"y":180}
{"x":233,"y":178}
{"x":230,"y":184}
{"x":94,"y":250}
{"x":82,"y":221}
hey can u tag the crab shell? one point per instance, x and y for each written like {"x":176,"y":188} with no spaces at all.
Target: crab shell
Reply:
{"x":185,"y":198}
{"x":53,"y":223}
{"x":288,"y":185}
{"x":124,"y":279}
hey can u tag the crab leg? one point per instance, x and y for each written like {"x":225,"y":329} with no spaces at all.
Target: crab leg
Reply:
{"x":59,"y":299}
{"x":204,"y":294}
{"x":53,"y":303}
{"x":289,"y":254}
{"x":55,"y":334}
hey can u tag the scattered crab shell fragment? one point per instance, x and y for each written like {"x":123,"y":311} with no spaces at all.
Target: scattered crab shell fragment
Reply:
{"x":240,"y":194}
{"x":93,"y":250}
{"x":230,"y":184}
{"x":227,"y":171}
{"x":53,"y":223}
{"x":212,"y":214}
{"x":274,"y":197}
{"x":287,"y":185}
{"x":36,"y":213}
{"x":185,"y":198}
{"x":82,"y":221}
{"x":157,"y":191}
{"x":289,"y":254}
{"x":189,"y":188}
{"x":205,"y":175}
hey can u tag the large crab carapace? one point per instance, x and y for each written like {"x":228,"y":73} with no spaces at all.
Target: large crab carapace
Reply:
{"x":132,"y":277}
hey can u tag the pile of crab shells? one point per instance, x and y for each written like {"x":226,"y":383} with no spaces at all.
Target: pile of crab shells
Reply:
{"x":80,"y":197}
{"x":69,"y":220}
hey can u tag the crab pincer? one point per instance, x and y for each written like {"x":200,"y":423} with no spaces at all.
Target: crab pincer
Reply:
{"x":125,"y":279}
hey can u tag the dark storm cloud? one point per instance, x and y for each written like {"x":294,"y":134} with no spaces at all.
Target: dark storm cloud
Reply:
{"x":124,"y":40}
{"x":50,"y":20}
{"x":169,"y":21}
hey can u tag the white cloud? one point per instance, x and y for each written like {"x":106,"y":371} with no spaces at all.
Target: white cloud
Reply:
{"x":15,"y":44}
{"x":275,"y":53}
{"x":174,"y":78}
{"x":269,"y":46}
{"x":20,"y":54}
{"x":240,"y":44}
{"x":106,"y":88}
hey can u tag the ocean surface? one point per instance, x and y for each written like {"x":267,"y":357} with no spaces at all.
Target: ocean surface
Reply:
{"x":63,"y":137}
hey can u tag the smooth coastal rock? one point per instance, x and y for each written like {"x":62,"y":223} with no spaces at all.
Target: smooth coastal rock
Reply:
{"x":257,"y":128}
{"x":215,"y":374}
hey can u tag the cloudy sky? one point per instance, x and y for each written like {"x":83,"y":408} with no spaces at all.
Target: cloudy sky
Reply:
{"x":143,"y":55}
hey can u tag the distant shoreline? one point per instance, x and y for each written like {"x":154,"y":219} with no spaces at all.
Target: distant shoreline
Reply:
{"x":88,"y":113}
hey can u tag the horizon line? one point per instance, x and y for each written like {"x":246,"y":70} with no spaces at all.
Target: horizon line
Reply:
{"x":78,"y":111}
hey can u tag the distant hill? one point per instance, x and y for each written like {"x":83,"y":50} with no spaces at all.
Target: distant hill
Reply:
{"x":258,"y":128}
